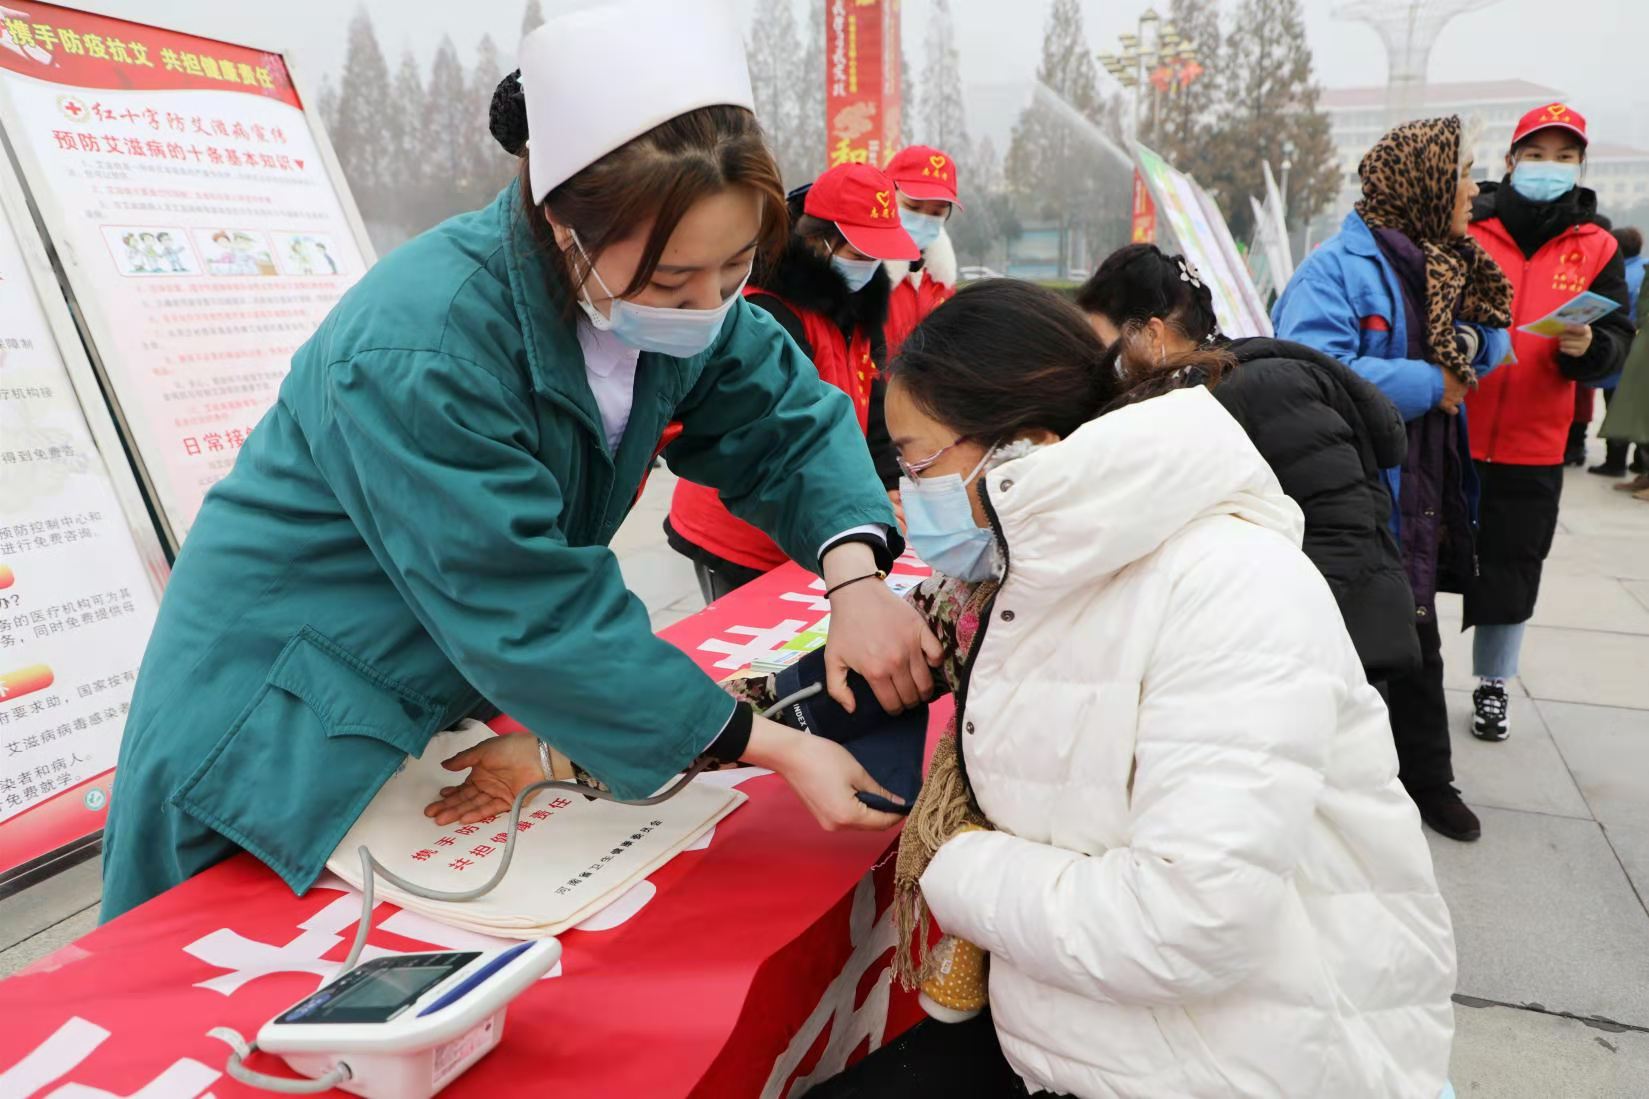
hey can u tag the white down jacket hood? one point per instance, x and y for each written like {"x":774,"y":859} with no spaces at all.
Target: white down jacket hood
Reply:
{"x":1205,"y":879}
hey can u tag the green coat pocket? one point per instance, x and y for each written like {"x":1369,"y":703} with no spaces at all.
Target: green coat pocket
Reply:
{"x":319,"y":738}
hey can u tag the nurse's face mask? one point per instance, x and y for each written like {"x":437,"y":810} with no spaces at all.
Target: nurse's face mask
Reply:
{"x":679,"y":333}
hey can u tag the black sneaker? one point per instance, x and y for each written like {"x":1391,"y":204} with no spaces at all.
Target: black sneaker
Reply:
{"x":1489,"y":712}
{"x":1446,"y":814}
{"x":1607,"y":470}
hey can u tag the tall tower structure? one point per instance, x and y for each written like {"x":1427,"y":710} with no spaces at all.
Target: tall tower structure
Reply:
{"x":1408,"y":28}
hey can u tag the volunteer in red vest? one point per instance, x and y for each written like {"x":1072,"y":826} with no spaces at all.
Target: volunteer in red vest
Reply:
{"x":926,"y":179}
{"x":829,"y":292}
{"x":1543,"y":229}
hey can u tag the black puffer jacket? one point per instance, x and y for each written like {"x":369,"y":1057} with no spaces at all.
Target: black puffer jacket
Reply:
{"x":1327,"y":433}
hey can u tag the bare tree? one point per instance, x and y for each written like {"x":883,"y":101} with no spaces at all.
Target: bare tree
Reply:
{"x":492,"y":166}
{"x":812,"y":155}
{"x":326,"y":102}
{"x":775,"y":54}
{"x":358,"y":131}
{"x":944,"y":122}
{"x":532,"y":18}
{"x":1055,"y":170}
{"x":451,"y":135}
{"x":408,"y":134}
{"x":1185,"y":113}
{"x":1269,"y":99}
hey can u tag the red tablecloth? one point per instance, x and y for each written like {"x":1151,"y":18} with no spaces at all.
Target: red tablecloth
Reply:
{"x":734,"y":971}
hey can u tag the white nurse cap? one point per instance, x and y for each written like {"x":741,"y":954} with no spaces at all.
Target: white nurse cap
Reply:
{"x":596,"y":77}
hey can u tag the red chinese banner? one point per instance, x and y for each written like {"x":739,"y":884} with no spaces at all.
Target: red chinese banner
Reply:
{"x":862,"y":86}
{"x":1145,"y":212}
{"x":794,"y":984}
{"x":84,"y":50}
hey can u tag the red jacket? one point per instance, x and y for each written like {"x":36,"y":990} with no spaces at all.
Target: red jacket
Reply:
{"x":1520,"y":413}
{"x":918,"y":293}
{"x":697,"y":515}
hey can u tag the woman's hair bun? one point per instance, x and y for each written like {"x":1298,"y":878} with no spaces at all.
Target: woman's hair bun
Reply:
{"x":507,"y":117}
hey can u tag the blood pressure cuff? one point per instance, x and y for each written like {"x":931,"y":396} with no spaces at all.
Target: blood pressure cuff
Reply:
{"x":889,"y":747}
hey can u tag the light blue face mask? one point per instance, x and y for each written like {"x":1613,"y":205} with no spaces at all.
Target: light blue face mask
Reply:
{"x":923,"y":228}
{"x":940,"y":528}
{"x":679,"y":333}
{"x":1544,"y":180}
{"x":857,"y":273}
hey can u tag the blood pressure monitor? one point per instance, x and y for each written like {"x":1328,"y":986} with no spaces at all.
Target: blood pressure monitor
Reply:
{"x":404,"y":1027}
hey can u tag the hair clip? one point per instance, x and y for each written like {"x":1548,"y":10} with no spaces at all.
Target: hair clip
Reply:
{"x":1188,"y":273}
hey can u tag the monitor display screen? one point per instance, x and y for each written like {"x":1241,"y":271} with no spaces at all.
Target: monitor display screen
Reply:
{"x":378,"y":991}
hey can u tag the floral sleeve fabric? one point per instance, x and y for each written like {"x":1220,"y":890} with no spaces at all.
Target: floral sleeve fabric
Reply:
{"x":952,"y":610}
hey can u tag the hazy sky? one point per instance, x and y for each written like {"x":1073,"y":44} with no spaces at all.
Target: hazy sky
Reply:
{"x":1593,"y":50}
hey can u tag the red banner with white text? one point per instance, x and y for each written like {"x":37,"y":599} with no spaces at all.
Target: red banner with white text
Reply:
{"x":754,"y":964}
{"x":863,"y":96}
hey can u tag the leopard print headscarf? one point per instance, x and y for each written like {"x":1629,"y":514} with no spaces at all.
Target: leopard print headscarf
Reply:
{"x":1410,"y":177}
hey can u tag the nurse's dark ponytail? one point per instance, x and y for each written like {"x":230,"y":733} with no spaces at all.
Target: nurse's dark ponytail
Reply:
{"x":507,"y":117}
{"x":652,"y":179}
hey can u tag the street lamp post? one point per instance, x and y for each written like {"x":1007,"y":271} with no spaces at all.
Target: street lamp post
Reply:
{"x":1288,"y":162}
{"x":1154,"y":62}
{"x":1158,"y":57}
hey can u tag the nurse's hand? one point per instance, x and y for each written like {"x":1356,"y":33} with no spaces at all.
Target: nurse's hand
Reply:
{"x":824,"y":775}
{"x":877,"y":634}
{"x":499,"y":768}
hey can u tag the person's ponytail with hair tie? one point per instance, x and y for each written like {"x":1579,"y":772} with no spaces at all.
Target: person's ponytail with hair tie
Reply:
{"x":507,"y":115}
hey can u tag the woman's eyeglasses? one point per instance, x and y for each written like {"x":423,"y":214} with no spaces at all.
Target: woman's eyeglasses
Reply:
{"x":914,"y":469}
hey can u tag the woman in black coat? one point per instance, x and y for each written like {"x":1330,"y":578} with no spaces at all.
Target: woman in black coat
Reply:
{"x":1325,"y":431}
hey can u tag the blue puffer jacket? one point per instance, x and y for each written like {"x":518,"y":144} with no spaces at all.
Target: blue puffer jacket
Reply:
{"x":1346,"y":302}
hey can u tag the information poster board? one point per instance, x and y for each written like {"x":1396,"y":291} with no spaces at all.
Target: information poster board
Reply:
{"x":80,"y":567}
{"x":1259,"y":317}
{"x":862,"y":87}
{"x":198,"y":219}
{"x":1182,"y":211}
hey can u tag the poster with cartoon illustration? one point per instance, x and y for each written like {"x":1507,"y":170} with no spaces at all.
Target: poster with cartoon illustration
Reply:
{"x":307,"y":254}
{"x":163,"y":166}
{"x":150,"y":250}
{"x":235,"y":252}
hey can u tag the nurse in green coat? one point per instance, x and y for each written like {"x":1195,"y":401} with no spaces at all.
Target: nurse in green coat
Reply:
{"x":417,"y":531}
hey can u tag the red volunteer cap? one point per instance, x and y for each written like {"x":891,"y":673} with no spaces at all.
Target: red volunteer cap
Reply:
{"x":923,"y":172}
{"x":860,"y":200}
{"x":1553,"y":116}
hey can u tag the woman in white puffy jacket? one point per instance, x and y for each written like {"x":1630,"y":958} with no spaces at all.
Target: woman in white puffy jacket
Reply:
{"x":1204,"y":878}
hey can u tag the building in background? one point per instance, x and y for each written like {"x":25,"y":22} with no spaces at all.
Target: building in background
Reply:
{"x":1358,"y":116}
{"x":1620,"y":176}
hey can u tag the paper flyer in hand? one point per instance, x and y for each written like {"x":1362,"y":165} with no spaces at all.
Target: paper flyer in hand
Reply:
{"x":1583,"y":309}
{"x":573,"y":856}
